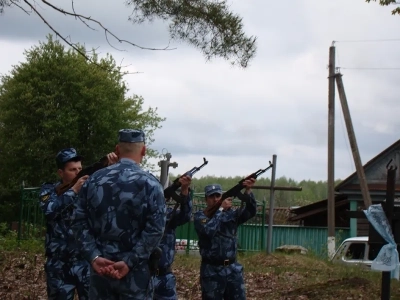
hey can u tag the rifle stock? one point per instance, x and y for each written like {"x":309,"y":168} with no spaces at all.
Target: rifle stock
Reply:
{"x":102,"y":163}
{"x":209,"y":212}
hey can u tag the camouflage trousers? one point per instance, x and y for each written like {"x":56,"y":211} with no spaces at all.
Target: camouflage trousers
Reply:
{"x":64,"y":277}
{"x":136,"y":285}
{"x":165,"y":287}
{"x":219,"y":282}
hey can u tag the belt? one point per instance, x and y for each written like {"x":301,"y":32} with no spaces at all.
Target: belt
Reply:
{"x":218,"y":262}
{"x":162,"y":271}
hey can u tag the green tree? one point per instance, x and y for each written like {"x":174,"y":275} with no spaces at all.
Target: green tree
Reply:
{"x":312,"y":191}
{"x":387,"y":3}
{"x":208,"y":25}
{"x":57,"y":99}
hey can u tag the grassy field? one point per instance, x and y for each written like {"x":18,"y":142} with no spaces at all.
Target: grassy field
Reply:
{"x":276,"y":276}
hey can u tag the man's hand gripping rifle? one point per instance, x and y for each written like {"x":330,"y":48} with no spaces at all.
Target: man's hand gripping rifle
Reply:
{"x":234,"y":192}
{"x":170,"y":192}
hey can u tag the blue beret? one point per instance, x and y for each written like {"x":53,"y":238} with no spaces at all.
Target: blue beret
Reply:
{"x":212,"y":189}
{"x":66,"y":155}
{"x":131,"y":136}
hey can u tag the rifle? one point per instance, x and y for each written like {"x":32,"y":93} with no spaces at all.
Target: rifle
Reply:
{"x":170,"y":192}
{"x":233,"y":192}
{"x":102,"y":163}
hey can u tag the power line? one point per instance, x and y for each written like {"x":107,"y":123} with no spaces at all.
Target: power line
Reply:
{"x":374,"y":69}
{"x":367,"y":41}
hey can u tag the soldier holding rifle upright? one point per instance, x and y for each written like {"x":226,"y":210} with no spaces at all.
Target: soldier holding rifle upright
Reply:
{"x":221,"y":276}
{"x":66,"y":270}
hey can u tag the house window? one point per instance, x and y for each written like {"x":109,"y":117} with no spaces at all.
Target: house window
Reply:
{"x":356,"y":251}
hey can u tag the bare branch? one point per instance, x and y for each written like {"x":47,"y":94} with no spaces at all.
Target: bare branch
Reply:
{"x":105,"y":34}
{"x":56,"y":32}
{"x":120,"y":64}
{"x":72,"y":45}
{"x":102,"y":26}
{"x":20,"y":7}
{"x":83,"y":21}
{"x":132,"y":73}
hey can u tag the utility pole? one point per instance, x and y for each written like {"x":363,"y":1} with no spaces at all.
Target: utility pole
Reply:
{"x":353,"y":142}
{"x":164,"y":172}
{"x":331,"y":153}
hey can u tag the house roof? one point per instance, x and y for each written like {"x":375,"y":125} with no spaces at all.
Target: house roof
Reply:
{"x":281,"y":216}
{"x":348,"y":180}
{"x":316,"y":207}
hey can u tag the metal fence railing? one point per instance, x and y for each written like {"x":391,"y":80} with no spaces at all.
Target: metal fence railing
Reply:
{"x":251,"y":235}
{"x":31,"y":224}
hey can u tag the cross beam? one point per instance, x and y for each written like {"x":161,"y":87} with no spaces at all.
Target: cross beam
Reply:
{"x":278,"y":188}
{"x":272,"y":189}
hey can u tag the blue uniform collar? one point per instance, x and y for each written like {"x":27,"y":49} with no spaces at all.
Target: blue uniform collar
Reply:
{"x":127,"y":161}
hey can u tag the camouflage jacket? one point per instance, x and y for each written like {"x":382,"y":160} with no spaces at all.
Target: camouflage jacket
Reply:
{"x":59,"y":241}
{"x":120,"y":214}
{"x":167,"y":244}
{"x":217,"y":236}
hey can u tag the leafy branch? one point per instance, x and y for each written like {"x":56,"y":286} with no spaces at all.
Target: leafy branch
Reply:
{"x":208,"y":25}
{"x":395,"y":11}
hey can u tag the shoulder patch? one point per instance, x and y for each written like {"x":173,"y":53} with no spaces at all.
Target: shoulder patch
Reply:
{"x":203,"y":221}
{"x":45,"y":198}
{"x":45,"y":191}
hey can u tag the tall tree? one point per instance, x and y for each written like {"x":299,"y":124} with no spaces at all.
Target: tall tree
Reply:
{"x":57,"y":99}
{"x":208,"y":25}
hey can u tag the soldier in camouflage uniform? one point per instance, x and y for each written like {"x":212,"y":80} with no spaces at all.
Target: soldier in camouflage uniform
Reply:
{"x":221,"y":276}
{"x":165,"y":282}
{"x":119,"y":220}
{"x":65,"y":269}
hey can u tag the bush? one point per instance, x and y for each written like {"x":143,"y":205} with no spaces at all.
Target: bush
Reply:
{"x":9,"y":241}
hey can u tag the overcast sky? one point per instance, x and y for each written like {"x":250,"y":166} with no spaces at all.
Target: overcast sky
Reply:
{"x":238,"y":118}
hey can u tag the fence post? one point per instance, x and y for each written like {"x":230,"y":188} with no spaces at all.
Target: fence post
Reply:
{"x":263,"y":229}
{"x":271,"y":206}
{"x":190,"y":220}
{"x":21,"y":207}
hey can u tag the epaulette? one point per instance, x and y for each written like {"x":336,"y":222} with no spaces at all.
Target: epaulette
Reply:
{"x":46,"y":190}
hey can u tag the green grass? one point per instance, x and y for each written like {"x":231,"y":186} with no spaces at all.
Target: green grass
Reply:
{"x":9,"y":242}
